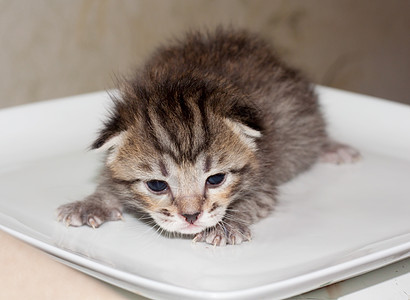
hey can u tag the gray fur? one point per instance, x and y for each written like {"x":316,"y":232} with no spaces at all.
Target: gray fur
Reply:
{"x":203,"y":102}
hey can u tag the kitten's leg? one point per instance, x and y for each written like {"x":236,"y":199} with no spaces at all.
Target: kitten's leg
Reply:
{"x":337,"y":153}
{"x":100,"y":207}
{"x":234,"y":228}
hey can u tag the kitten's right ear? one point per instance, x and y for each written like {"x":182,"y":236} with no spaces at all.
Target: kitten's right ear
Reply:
{"x":111,"y":136}
{"x":102,"y":144}
{"x":110,"y":141}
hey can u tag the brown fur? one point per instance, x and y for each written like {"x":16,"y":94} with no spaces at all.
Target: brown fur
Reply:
{"x":218,"y":102}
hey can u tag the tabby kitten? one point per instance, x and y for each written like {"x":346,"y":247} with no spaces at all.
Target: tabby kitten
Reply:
{"x":203,"y":135}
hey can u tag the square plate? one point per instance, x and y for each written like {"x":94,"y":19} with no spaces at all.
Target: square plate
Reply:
{"x":331,"y":223}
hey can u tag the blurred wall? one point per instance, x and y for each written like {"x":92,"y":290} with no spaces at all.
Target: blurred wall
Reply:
{"x":56,"y":48}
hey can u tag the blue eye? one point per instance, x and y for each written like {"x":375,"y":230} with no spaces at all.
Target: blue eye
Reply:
{"x":157,"y":185}
{"x":215,"y":179}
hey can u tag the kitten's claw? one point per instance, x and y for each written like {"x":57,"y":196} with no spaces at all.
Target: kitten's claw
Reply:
{"x":218,"y":241}
{"x":197,"y":238}
{"x":92,"y":222}
{"x":67,"y":221}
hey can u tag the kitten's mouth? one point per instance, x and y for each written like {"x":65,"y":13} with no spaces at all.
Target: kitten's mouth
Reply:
{"x":191,"y":229}
{"x":184,"y":227}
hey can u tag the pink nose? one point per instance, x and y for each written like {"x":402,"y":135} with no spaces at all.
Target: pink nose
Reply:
{"x":191,"y":218}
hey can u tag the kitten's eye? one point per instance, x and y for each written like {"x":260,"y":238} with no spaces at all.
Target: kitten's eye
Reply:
{"x":157,"y":185}
{"x":215,"y":179}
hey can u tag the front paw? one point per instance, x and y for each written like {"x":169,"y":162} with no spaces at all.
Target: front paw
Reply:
{"x":224,"y":234}
{"x":85,"y":213}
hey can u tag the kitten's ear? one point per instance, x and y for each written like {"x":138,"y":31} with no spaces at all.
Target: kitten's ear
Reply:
{"x":111,"y":136}
{"x":111,"y":142}
{"x":247,"y":134}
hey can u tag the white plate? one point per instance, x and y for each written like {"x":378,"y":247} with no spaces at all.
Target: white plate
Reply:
{"x":331,"y":223}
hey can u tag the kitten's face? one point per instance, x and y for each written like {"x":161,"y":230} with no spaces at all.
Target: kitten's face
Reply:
{"x":186,"y":195}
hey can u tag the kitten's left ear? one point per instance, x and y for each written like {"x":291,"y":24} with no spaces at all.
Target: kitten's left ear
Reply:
{"x":247,"y":134}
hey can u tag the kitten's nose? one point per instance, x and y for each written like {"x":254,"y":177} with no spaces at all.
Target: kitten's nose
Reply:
{"x":191,"y":218}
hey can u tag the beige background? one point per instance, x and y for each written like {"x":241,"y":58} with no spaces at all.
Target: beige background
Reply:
{"x":56,"y":48}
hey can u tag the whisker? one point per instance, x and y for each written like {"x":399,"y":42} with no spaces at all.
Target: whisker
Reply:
{"x":228,"y":209}
{"x":237,"y":220}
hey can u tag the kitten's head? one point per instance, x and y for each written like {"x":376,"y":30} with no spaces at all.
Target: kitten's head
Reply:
{"x":183,"y":151}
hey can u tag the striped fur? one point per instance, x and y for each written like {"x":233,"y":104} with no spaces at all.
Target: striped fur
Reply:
{"x":212,"y":103}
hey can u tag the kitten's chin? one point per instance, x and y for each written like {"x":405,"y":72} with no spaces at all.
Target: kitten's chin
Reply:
{"x":181,"y":228}
{"x":184,"y":227}
{"x":191,"y":229}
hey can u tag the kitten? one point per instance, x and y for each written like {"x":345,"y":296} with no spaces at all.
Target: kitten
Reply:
{"x":203,"y":135}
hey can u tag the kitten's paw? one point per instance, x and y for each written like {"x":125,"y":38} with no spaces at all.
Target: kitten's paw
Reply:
{"x":224,"y":234}
{"x":337,"y":153}
{"x":83,"y":213}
